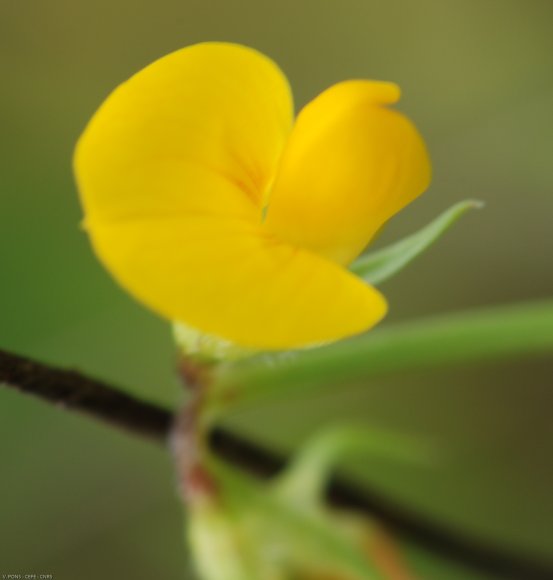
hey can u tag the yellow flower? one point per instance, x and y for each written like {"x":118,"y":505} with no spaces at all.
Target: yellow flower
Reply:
{"x":209,"y":204}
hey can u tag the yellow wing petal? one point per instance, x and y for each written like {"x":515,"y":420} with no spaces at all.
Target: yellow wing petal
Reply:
{"x":226,"y":278}
{"x":349,"y":165}
{"x":201,"y":130}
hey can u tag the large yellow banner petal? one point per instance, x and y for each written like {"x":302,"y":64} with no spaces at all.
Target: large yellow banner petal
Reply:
{"x":201,"y":129}
{"x":349,"y":165}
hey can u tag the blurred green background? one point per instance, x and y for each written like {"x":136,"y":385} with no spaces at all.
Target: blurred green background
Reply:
{"x":79,"y":500}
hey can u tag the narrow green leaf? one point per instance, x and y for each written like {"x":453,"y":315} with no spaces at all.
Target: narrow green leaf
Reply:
{"x":461,"y":338}
{"x":383,"y":264}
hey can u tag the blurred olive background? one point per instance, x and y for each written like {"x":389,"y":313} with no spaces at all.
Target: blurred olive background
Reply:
{"x":79,"y":500}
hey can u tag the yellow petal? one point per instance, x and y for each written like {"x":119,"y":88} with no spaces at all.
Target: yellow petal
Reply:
{"x":201,"y":130}
{"x":226,"y":278}
{"x":349,"y":165}
{"x":173,"y":170}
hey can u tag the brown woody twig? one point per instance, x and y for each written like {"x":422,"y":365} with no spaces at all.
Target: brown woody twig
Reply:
{"x":73,"y":391}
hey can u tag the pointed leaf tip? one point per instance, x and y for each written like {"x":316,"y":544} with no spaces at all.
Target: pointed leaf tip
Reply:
{"x":378,"y":266}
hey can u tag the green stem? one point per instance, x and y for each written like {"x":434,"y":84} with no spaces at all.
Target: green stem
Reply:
{"x":461,"y":338}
